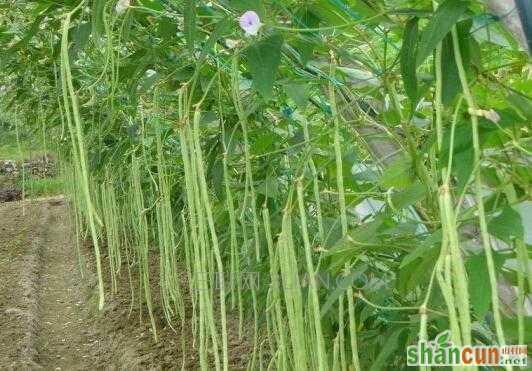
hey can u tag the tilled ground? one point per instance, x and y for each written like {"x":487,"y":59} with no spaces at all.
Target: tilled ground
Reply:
{"x":17,"y":281}
{"x":48,"y":314}
{"x":45,"y":321}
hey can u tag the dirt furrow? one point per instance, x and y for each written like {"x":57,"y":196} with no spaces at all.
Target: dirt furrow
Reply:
{"x":19,"y":272}
{"x":65,"y":340}
{"x":44,"y":311}
{"x":48,"y":310}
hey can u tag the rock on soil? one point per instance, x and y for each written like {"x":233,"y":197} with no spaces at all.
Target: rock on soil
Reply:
{"x":39,"y":167}
{"x":8,"y":167}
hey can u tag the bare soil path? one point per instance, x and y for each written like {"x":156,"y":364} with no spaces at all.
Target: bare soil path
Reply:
{"x":45,"y":320}
{"x":48,"y":310}
{"x":65,"y":339}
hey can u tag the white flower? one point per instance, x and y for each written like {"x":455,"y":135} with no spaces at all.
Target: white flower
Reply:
{"x":121,"y":6}
{"x":231,"y":44}
{"x":492,"y":116}
{"x":250,"y":22}
{"x":489,"y":115}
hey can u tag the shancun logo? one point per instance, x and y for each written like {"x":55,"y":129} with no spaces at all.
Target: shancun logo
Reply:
{"x":442,"y":352}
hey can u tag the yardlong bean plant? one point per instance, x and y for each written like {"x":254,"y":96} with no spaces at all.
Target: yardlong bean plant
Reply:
{"x":345,"y":178}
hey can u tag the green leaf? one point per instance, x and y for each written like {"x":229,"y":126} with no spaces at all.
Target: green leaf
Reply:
{"x":361,"y":9}
{"x":398,"y":175}
{"x":525,"y":212}
{"x":263,"y":59}
{"x":450,"y":79}
{"x":521,"y":104}
{"x":390,"y":346}
{"x":333,"y":231}
{"x":479,"y":285}
{"x":417,"y":272}
{"x":463,"y":140}
{"x":451,"y":85}
{"x":222,"y":27}
{"x":305,"y":49}
{"x":507,"y":225}
{"x":342,"y":286}
{"x":511,"y":329}
{"x":408,"y":59}
{"x":305,"y":45}
{"x":80,"y":36}
{"x":98,"y":7}
{"x":148,"y":81}
{"x":190,"y":23}
{"x":463,"y":164}
{"x":417,"y":253}
{"x":441,"y":23}
{"x":304,"y":18}
{"x":244,"y":5}
{"x":343,"y":251}
{"x":409,"y":196}
{"x":269,"y":187}
{"x":420,"y":250}
{"x":298,"y":93}
{"x":35,"y":26}
{"x":328,"y":13}
{"x":265,"y":143}
{"x":167,"y":29}
{"x":152,"y":4}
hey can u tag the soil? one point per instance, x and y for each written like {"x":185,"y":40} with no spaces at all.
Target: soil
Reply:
{"x":48,"y":304}
{"x":10,"y":194}
{"x":8,"y":189}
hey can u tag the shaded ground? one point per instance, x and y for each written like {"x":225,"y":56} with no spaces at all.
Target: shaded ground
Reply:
{"x":48,"y":312}
{"x":10,"y":193}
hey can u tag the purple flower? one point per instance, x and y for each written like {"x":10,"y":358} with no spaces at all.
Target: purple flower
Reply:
{"x":250,"y":22}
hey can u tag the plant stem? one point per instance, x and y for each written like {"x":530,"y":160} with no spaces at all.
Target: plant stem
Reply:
{"x":478,"y":191}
